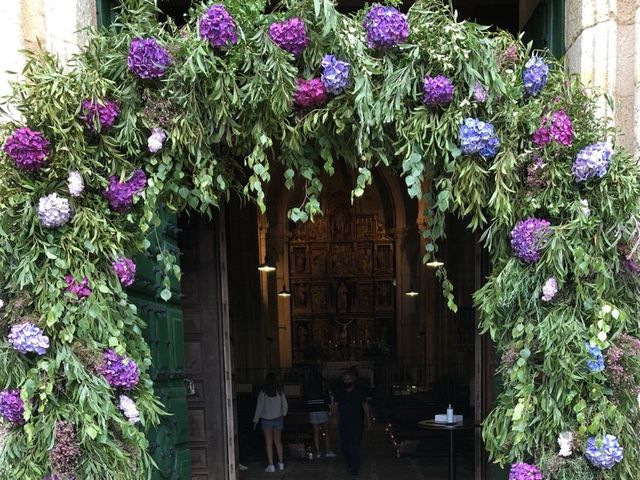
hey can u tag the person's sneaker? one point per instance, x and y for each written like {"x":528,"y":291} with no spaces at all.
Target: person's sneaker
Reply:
{"x":330,"y":455}
{"x":242,"y":468}
{"x":318,"y":454}
{"x":281,"y":466}
{"x":270,"y":469}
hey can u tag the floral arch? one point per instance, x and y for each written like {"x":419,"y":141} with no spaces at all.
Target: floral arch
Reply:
{"x":150,"y":114}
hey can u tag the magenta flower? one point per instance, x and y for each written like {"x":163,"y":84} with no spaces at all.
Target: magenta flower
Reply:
{"x":79,"y":289}
{"x":125,"y":268}
{"x":217,"y":26}
{"x":290,"y":35}
{"x":147,"y":58}
{"x":120,"y":372}
{"x":524,"y":471}
{"x":310,"y":93}
{"x":28,"y":148}
{"x":12,"y":406}
{"x":99,"y":115}
{"x":120,"y":194}
{"x":557,"y":128}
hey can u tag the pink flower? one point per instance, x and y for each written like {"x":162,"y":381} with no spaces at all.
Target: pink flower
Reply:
{"x":310,"y":93}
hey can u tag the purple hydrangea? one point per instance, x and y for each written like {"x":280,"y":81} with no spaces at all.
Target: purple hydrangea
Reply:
{"x":558,"y":128}
{"x":120,"y":194}
{"x":125,"y":268}
{"x":99,"y":115}
{"x":28,"y":148}
{"x":120,"y":372}
{"x":12,"y":406}
{"x":596,"y":361}
{"x":147,"y":58}
{"x":75,"y":183}
{"x":335,"y":74}
{"x":549,"y":289}
{"x":477,"y":136}
{"x":592,"y":162}
{"x":27,"y":338}
{"x":129,"y":409}
{"x":480,"y":93}
{"x":528,"y":238}
{"x":524,"y":471}
{"x":437,"y":90}
{"x":606,"y":456}
{"x":542,"y":136}
{"x":535,"y":75}
{"x":54,"y":211}
{"x":290,"y":35}
{"x":310,"y":93}
{"x":385,"y":27}
{"x":156,"y":140}
{"x":79,"y":289}
{"x":217,"y":26}
{"x":66,"y":452}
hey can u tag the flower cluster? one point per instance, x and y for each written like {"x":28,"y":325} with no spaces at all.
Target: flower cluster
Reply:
{"x":156,"y":140}
{"x":290,"y":35}
{"x":480,"y":93}
{"x":65,"y":454}
{"x":120,"y":372}
{"x":79,"y":289}
{"x":75,"y":183}
{"x":335,"y":74}
{"x":592,"y":162}
{"x":385,"y":27}
{"x":120,"y":194}
{"x":549,"y":289}
{"x":27,"y":338}
{"x":104,"y":112}
{"x":565,"y":442}
{"x":524,"y":471}
{"x":437,"y":90}
{"x":477,"y":136}
{"x":606,"y":456}
{"x":125,"y":268}
{"x":596,"y":362}
{"x":217,"y":26}
{"x":620,"y":374}
{"x":559,"y":128}
{"x":129,"y":409}
{"x":12,"y":406}
{"x":54,"y":211}
{"x":309,"y":93}
{"x":28,"y":148}
{"x":535,"y":75}
{"x":147,"y":58}
{"x":536,"y":173}
{"x":510,"y":56}
{"x":528,"y":238}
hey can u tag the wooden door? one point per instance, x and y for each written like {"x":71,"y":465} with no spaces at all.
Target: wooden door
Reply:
{"x":207,"y":348}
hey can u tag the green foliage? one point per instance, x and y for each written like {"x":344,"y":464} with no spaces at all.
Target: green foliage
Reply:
{"x":229,"y":119}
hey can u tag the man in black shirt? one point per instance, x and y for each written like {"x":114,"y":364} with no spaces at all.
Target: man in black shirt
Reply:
{"x":351,"y":407}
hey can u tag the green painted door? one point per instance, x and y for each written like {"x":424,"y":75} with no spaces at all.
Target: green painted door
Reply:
{"x":546,"y":27}
{"x":169,"y":441}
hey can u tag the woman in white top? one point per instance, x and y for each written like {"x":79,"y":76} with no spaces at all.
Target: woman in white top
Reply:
{"x":271,"y":409}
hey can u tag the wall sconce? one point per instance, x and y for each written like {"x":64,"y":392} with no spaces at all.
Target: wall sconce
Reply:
{"x":435,"y":263}
{"x":266,"y":266}
{"x":412,"y":292}
{"x":284,"y":292}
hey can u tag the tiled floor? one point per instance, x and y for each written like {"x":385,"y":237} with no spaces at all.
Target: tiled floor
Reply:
{"x":379,"y":463}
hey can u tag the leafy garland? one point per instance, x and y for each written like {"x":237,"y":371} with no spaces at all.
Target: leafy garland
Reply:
{"x":153,"y":115}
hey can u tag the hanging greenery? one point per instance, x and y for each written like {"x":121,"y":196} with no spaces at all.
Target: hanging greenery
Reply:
{"x":477,"y":125}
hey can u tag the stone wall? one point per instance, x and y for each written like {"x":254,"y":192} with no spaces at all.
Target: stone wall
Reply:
{"x":603,"y":48}
{"x":56,"y":25}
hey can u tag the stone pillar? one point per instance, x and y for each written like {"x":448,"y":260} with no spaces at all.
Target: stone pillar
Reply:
{"x":603,"y":40}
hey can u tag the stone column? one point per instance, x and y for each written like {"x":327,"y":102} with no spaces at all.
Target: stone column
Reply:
{"x":603,"y":41}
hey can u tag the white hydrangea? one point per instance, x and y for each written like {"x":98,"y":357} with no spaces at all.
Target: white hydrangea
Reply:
{"x":157,"y":138}
{"x":54,"y":211}
{"x":584,"y":206}
{"x":129,"y":409}
{"x":75,"y":183}
{"x":565,"y":440}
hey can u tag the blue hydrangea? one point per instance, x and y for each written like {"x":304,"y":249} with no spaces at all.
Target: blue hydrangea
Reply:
{"x":335,"y":74}
{"x":477,"y":136}
{"x":26,"y":338}
{"x":592,"y":162}
{"x":535,"y":75}
{"x":607,"y":456}
{"x":596,"y":362}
